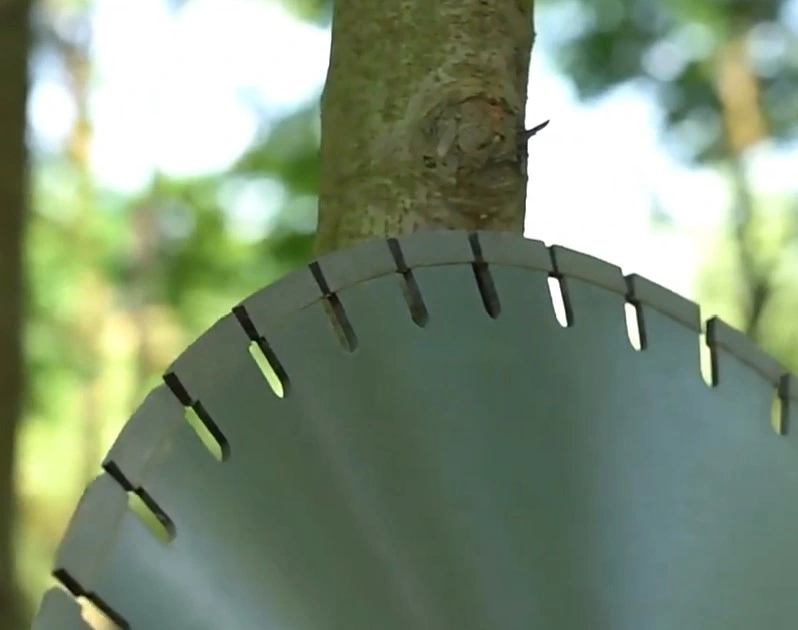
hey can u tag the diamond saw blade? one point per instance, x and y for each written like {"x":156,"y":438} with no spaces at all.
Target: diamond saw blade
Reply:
{"x":441,"y":453}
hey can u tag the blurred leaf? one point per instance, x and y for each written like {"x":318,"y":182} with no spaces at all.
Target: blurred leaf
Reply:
{"x":315,"y":11}
{"x":289,"y":152}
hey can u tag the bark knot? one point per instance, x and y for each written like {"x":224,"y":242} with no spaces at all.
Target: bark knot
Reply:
{"x":470,"y":158}
{"x":467,"y":136}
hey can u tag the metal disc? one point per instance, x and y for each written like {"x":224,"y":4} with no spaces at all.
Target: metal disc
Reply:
{"x":446,"y":455}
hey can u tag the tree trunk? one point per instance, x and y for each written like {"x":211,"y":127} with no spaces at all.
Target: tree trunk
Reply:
{"x":423,"y":118}
{"x":14,"y":43}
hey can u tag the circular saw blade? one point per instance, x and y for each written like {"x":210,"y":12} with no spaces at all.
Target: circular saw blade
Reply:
{"x":442,"y":453}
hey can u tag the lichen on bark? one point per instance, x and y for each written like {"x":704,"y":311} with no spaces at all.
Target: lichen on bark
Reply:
{"x":423,"y":118}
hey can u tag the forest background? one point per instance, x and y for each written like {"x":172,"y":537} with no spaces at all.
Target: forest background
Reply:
{"x":173,"y":149}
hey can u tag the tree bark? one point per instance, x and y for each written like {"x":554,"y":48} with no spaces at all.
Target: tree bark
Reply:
{"x":423,"y":118}
{"x":14,"y":45}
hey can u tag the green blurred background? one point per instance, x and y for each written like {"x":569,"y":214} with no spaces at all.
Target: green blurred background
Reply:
{"x":174,"y":171}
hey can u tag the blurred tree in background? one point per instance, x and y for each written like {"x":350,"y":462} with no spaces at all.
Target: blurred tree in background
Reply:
{"x":14,"y":45}
{"x":121,"y":280}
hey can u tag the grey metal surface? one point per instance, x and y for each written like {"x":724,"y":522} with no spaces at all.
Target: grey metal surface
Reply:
{"x":447,"y":456}
{"x":59,"y":610}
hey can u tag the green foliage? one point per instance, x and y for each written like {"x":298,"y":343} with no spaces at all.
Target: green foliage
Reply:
{"x":289,"y":152}
{"x":671,"y":48}
{"x":317,"y":11}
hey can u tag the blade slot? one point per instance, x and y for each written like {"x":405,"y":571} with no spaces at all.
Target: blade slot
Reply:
{"x":151,"y":516}
{"x":96,"y":610}
{"x":785,"y":406}
{"x":209,"y":434}
{"x":263,"y":355}
{"x":412,"y":295}
{"x":558,"y":291}
{"x":778,"y":413}
{"x":708,"y":360}
{"x":199,"y":420}
{"x":335,"y":311}
{"x":144,"y":507}
{"x":487,"y":289}
{"x":410,"y":289}
{"x":90,"y":601}
{"x":59,"y":608}
{"x":485,"y":284}
{"x":269,"y":366}
{"x":635,"y":325}
{"x":95,"y":617}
